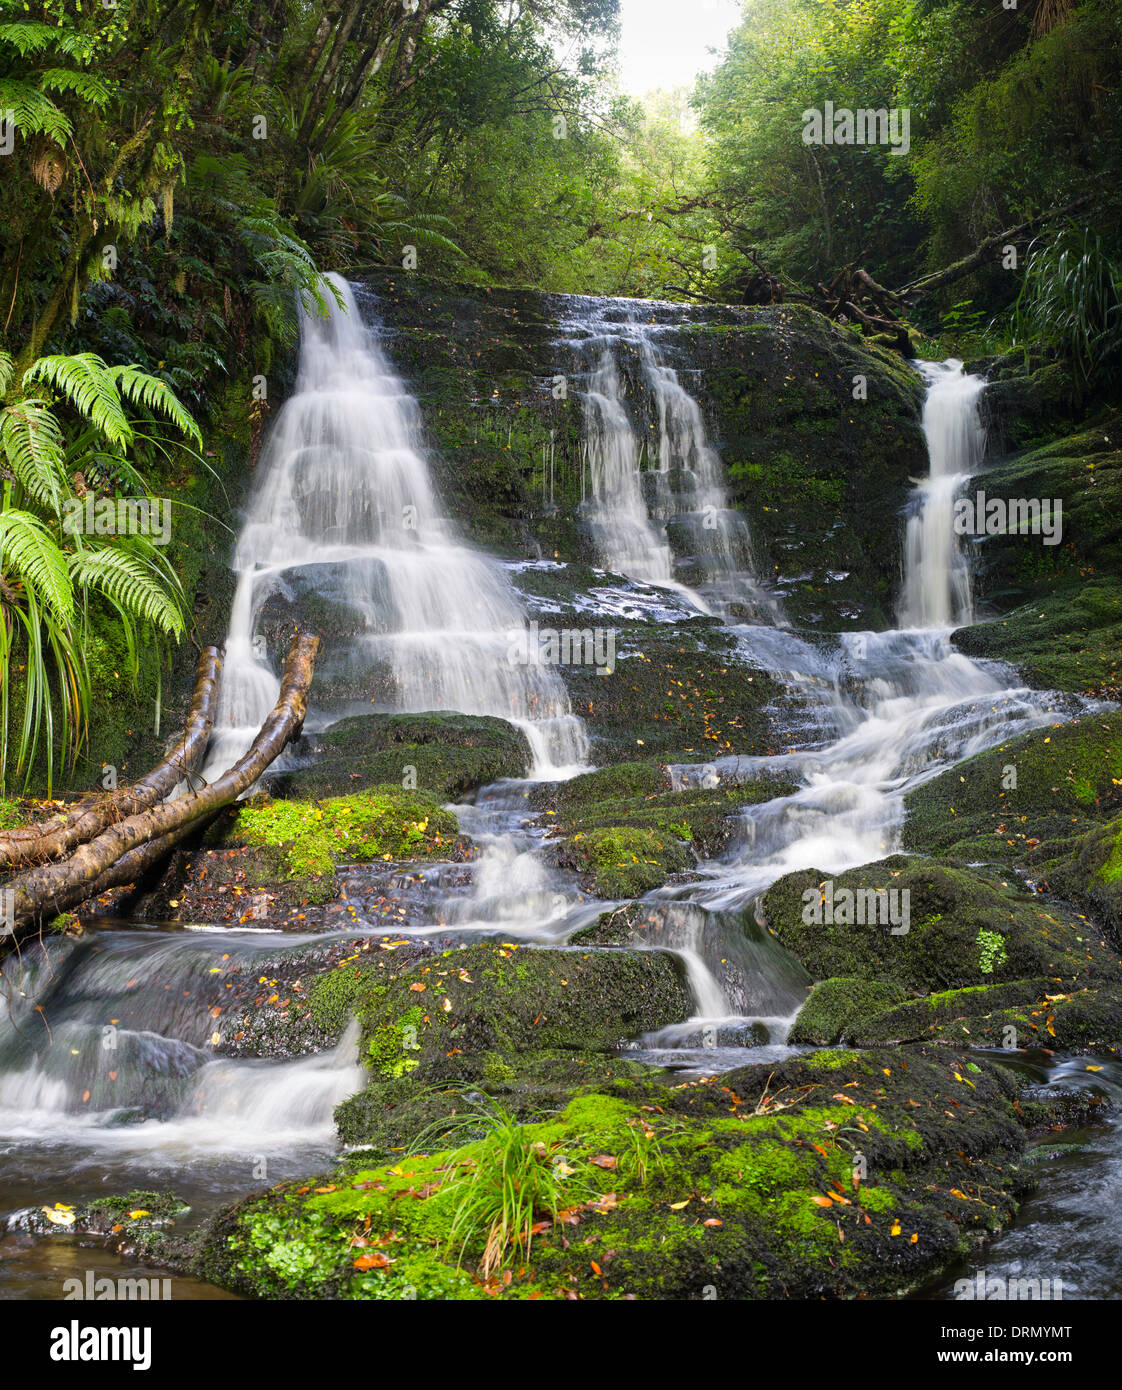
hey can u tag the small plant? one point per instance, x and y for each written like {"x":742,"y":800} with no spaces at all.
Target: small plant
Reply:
{"x":991,"y":951}
{"x":506,"y":1183}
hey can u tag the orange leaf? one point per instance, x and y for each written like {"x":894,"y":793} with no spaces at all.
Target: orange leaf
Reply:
{"x":375,"y":1261}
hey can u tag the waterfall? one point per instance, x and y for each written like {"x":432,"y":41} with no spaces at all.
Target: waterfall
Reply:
{"x":346,"y":521}
{"x":937,"y":588}
{"x":667,"y":523}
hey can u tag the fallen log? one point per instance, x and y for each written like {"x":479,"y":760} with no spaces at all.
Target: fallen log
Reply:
{"x":54,"y":838}
{"x":131,"y":845}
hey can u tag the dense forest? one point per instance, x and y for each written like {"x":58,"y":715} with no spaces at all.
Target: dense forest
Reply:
{"x":560,"y":660}
{"x":175,"y":174}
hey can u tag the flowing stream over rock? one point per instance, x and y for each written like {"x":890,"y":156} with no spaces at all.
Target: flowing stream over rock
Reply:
{"x":127,"y":1089}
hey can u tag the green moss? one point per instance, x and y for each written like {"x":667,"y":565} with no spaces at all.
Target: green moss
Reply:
{"x":333,"y":995}
{"x":449,"y":755}
{"x":384,"y":823}
{"x":967,"y":927}
{"x":835,"y":1006}
{"x":1054,"y":781}
{"x":740,"y":1184}
{"x":625,"y":863}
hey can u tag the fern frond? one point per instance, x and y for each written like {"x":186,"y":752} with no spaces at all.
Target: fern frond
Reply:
{"x":131,"y":582}
{"x":88,"y":384}
{"x":156,"y":396}
{"x":87,"y":85}
{"x":30,"y":555}
{"x":32,"y":112}
{"x":7,"y":366}
{"x":31,"y":442}
{"x":28,"y":36}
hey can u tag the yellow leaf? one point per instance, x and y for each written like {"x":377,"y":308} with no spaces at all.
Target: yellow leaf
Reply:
{"x":895,"y":1229}
{"x":677,"y":1206}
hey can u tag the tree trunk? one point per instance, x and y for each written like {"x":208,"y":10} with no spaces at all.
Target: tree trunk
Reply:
{"x":56,"y":837}
{"x":111,"y":858}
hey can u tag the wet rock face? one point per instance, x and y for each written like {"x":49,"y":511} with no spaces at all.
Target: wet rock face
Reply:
{"x":447,"y":754}
{"x":799,"y":410}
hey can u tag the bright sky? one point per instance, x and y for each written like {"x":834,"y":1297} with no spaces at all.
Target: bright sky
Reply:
{"x":665,"y":41}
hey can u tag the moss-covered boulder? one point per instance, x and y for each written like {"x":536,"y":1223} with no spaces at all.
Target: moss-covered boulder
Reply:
{"x":638,"y":795}
{"x":677,"y":693}
{"x":963,"y":927}
{"x":1087,"y":872}
{"x":1060,"y":605}
{"x":449,"y":755}
{"x":839,"y":1175}
{"x":623,"y":862}
{"x":479,"y":1006}
{"x":1020,"y":1014}
{"x":275,"y":862}
{"x":1057,"y":781}
{"x":834,"y":1006}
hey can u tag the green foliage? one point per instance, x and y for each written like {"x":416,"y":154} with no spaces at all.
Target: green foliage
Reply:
{"x":53,"y":578}
{"x":1071,"y":299}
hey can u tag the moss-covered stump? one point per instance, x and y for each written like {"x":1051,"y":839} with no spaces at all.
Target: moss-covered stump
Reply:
{"x":483,"y":1006}
{"x":1057,"y":781}
{"x":637,"y":795}
{"x":839,"y":1175}
{"x":449,"y":755}
{"x":272,"y":862}
{"x":964,"y":927}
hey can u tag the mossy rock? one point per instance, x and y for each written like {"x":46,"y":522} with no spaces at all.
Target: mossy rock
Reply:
{"x":638,"y":795}
{"x":1060,"y":605}
{"x":449,"y":755}
{"x":678,"y":693}
{"x":1021,"y":1014}
{"x":1088,"y":872}
{"x":835,"y":1006}
{"x":453,"y":1015}
{"x":622,"y":862}
{"x":399,"y":1115}
{"x":965,"y":928}
{"x":1062,"y":779}
{"x":735,"y":1188}
{"x":383,"y":822}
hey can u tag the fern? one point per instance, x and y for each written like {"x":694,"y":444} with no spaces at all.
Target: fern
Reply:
{"x":128,"y":582}
{"x":31,"y":444}
{"x":84,"y":380}
{"x":32,"y":558}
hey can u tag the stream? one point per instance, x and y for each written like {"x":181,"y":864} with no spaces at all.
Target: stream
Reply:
{"x":114,"y":1083}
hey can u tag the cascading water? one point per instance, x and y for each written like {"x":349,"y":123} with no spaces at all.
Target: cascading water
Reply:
{"x":346,"y":519}
{"x":937,"y":587}
{"x":668,"y":523}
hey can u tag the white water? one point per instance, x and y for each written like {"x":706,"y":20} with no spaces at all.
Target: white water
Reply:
{"x":346,"y":513}
{"x":658,"y":510}
{"x":937,"y":589}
